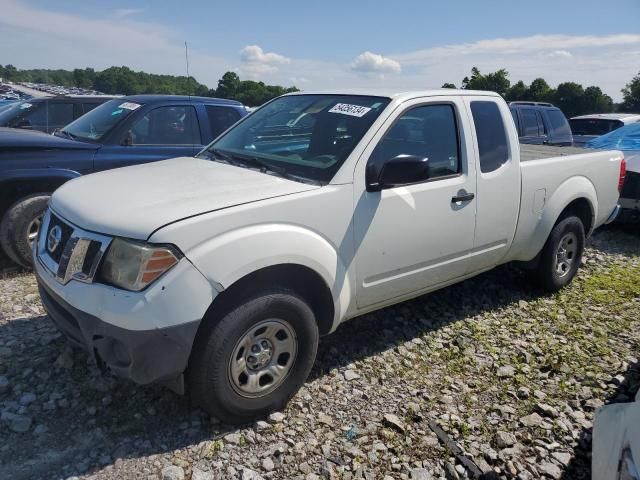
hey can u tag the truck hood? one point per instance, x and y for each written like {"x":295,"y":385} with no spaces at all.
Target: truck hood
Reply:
{"x":135,"y":201}
{"x":20,"y":138}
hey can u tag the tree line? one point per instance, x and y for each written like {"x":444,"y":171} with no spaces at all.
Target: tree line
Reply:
{"x":572,"y":98}
{"x":124,"y":81}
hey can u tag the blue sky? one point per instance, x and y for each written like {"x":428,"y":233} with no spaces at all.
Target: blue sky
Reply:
{"x":333,"y":44}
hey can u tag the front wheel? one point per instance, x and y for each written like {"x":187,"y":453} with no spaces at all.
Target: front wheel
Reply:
{"x":561,"y":255}
{"x":20,"y":226}
{"x":255,"y":358}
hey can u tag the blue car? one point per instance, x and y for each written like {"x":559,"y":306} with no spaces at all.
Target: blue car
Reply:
{"x":120,"y":132}
{"x":626,"y":139}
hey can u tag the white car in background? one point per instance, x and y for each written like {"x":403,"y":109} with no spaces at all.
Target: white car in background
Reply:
{"x":587,"y":127}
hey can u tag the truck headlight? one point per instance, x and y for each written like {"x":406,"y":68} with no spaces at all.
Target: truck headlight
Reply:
{"x":134,"y":265}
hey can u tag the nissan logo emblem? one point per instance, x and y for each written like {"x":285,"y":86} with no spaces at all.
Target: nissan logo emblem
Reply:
{"x":54,"y":238}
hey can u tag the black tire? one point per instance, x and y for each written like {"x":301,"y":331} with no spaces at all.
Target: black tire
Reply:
{"x":552,"y":273}
{"x":209,"y":374}
{"x":18,"y":223}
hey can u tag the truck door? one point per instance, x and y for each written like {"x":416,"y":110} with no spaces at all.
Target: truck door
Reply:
{"x":498,"y":180}
{"x":162,"y":132}
{"x":417,"y":236}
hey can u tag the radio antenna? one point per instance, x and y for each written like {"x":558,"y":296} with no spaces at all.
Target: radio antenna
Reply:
{"x":186,"y":58}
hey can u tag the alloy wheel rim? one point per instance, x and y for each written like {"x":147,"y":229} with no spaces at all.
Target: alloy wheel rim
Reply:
{"x":262,"y":358}
{"x":566,"y":253}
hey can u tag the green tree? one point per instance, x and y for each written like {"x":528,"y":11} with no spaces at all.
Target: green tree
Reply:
{"x":540,"y":91}
{"x":631,"y":96}
{"x":595,"y":101}
{"x":569,"y":98}
{"x":228,"y":85}
{"x":518,"y":91}
{"x":448,"y":85}
{"x":497,"y":81}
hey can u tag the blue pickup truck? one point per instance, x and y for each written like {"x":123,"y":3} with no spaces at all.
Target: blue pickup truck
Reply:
{"x":123,"y":131}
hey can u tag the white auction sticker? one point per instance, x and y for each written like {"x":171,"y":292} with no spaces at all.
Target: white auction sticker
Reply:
{"x":129,"y":105}
{"x":347,"y":109}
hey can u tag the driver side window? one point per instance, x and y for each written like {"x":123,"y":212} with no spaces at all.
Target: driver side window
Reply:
{"x":174,"y":125}
{"x":429,"y":131}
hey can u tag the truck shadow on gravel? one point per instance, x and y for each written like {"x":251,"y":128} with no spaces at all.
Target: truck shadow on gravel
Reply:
{"x":80,"y":421}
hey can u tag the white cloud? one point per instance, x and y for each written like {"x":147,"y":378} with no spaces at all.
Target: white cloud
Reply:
{"x":560,"y":53}
{"x":373,"y":63}
{"x":125,"y":12}
{"x":255,"y":62}
{"x":36,"y":38}
{"x":255,"y":54}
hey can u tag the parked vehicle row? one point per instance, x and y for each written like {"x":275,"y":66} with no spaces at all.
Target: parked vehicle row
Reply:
{"x":120,"y":132}
{"x":48,"y":114}
{"x":59,"y":89}
{"x":7,"y":92}
{"x":314,"y":209}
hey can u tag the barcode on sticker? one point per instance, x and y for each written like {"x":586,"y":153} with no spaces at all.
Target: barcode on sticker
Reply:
{"x":129,"y":105}
{"x":347,"y":109}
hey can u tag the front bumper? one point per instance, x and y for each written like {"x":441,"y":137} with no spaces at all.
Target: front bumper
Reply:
{"x":143,"y":336}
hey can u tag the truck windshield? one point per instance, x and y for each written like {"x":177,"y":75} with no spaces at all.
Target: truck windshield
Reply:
{"x":305,"y":136}
{"x":23,"y":114}
{"x":98,"y":122}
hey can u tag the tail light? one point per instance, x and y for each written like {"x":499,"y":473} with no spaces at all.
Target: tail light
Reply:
{"x":623,"y":172}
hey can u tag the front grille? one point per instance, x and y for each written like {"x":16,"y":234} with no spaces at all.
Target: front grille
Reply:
{"x":631,"y":186}
{"x":56,"y":254}
{"x":70,"y":252}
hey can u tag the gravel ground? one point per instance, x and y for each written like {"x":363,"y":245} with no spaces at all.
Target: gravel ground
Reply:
{"x":510,"y":375}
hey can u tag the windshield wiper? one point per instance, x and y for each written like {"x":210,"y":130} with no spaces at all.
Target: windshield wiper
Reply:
{"x":251,"y":161}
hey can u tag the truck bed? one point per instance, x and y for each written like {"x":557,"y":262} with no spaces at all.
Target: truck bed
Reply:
{"x":538,"y":152}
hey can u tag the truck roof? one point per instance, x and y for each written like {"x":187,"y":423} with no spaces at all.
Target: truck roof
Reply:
{"x":609,"y":116}
{"x":398,"y":94}
{"x":179,"y":98}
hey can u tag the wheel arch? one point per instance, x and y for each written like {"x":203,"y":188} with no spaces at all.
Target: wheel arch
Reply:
{"x":17,"y":185}
{"x":299,"y":278}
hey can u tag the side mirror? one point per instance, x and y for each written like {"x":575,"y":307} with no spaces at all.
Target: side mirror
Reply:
{"x":400,"y":170}
{"x":128,"y":139}
{"x":24,"y":124}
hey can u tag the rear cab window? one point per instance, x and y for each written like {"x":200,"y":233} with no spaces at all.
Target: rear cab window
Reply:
{"x":593,"y":126}
{"x":558,"y":121}
{"x":220,"y":118}
{"x":491,"y":135}
{"x":528,"y":122}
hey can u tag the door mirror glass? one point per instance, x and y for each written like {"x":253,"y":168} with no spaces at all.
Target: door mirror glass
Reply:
{"x":401,"y":170}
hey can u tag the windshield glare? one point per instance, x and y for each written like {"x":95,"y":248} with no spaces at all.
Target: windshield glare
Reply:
{"x":307,"y":136}
{"x":19,"y":112}
{"x":98,"y":122}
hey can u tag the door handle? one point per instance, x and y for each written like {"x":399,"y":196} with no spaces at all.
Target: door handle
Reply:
{"x":465,"y":197}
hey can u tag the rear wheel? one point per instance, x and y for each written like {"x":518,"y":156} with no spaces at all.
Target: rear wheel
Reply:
{"x":561,"y":255}
{"x":20,"y":226}
{"x":255,"y":358}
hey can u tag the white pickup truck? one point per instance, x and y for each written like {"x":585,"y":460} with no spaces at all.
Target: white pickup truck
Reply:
{"x":219,"y":273}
